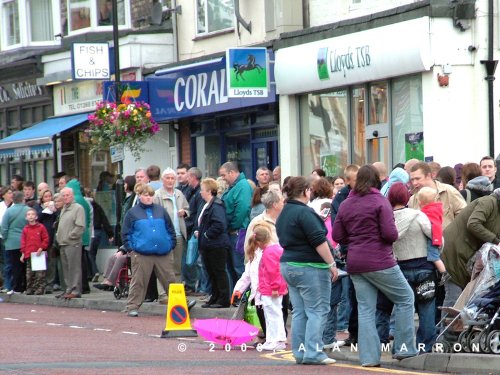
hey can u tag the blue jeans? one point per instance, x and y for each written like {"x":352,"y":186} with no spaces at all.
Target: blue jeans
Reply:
{"x":309,"y":290}
{"x":344,"y":308}
{"x":6,"y":269}
{"x":330,"y":332}
{"x":393,"y":284}
{"x":205,"y":286}
{"x":235,"y":263}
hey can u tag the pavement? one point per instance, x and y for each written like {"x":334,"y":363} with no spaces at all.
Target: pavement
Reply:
{"x":456,"y":363}
{"x":105,"y":301}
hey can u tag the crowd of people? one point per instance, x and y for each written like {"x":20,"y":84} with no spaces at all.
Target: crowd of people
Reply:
{"x":362,"y":252}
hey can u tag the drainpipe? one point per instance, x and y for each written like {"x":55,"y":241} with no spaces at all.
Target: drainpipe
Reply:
{"x":239,"y":18}
{"x":490,"y":66}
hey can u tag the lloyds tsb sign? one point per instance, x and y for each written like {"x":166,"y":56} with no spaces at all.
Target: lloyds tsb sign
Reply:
{"x":341,"y":61}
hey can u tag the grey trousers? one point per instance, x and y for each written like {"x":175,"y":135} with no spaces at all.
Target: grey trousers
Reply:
{"x":71,"y":259}
{"x":142,"y":266}
{"x":178,"y":250}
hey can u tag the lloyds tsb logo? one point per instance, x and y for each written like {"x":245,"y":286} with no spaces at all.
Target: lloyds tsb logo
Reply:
{"x":322,"y":67}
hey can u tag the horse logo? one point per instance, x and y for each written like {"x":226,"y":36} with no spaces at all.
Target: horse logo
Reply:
{"x":239,"y":69}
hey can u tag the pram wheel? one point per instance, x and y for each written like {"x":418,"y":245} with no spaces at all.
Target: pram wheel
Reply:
{"x":117,"y":293}
{"x":483,"y":341}
{"x":494,"y":341}
{"x":463,"y":341}
{"x":444,"y":346}
{"x":473,"y":341}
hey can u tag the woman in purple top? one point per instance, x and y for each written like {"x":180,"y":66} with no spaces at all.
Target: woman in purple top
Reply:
{"x":365,"y":222}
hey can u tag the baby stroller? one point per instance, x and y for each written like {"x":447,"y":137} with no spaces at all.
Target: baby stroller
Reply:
{"x":122,"y":283}
{"x":473,"y":323}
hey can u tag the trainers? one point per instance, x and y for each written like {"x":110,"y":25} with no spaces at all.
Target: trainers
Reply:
{"x":133,"y":313}
{"x":56,"y":287}
{"x":328,"y":361}
{"x":190,"y":304}
{"x":96,"y":278}
{"x":163,"y":301}
{"x":11,"y":292}
{"x":4,"y":290}
{"x":335,"y":344}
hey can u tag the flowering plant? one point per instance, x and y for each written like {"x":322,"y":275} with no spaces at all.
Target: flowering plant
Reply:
{"x":130,"y":124}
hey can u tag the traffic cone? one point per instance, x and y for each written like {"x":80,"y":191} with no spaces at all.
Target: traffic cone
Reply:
{"x":177,"y":319}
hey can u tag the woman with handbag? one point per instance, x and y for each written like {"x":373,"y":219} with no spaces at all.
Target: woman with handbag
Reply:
{"x":410,"y":250}
{"x":365,"y":221}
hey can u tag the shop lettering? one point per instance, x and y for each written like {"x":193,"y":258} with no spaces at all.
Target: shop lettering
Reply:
{"x":200,"y":90}
{"x":25,"y":90}
{"x":4,"y":95}
{"x":351,"y":59}
{"x":20,"y":90}
{"x":248,"y":92}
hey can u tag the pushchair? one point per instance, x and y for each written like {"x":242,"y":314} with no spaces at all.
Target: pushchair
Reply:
{"x":473,"y":323}
{"x":122,"y":283}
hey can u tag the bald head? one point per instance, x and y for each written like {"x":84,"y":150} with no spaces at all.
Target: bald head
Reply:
{"x":42,"y":186}
{"x":67,"y":195}
{"x":381,"y":168}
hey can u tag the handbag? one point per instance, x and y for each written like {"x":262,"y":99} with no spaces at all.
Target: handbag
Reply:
{"x":192,"y":251}
{"x":250,"y":315}
{"x":425,"y":290}
{"x":240,"y":243}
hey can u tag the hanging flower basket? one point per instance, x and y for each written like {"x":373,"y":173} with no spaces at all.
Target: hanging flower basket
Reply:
{"x":128,"y":124}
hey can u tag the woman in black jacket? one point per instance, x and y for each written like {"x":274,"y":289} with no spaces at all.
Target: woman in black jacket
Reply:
{"x":213,"y":243}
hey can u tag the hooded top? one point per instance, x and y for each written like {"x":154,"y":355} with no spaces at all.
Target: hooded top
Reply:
{"x":478,"y":187}
{"x":434,"y":212}
{"x":77,"y":192}
{"x":414,"y":229}
{"x":397,"y":175}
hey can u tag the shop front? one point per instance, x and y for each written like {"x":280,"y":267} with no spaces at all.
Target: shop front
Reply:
{"x":356,"y":98}
{"x":23,"y":103}
{"x":214,"y":128}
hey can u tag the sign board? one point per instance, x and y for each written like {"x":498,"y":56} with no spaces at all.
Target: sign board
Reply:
{"x":196,"y":90}
{"x":90,"y":61}
{"x":128,"y":91}
{"x":117,"y":153}
{"x":365,"y":56}
{"x":247,"y":72}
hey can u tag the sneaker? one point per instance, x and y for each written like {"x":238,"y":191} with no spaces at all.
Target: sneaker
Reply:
{"x":328,"y":361}
{"x":163,"y":301}
{"x":11,"y":292}
{"x":268,"y":345}
{"x":280,"y":345}
{"x":133,"y":313}
{"x":4,"y":290}
{"x":96,"y":278}
{"x":350,"y":340}
{"x":56,"y":287}
{"x":190,"y":304}
{"x":335,"y":344}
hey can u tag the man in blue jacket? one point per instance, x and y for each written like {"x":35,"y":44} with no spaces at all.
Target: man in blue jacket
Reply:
{"x":237,"y":199}
{"x":149,"y":236}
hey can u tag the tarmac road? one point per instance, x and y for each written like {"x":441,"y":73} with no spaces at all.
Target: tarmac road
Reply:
{"x":39,"y":339}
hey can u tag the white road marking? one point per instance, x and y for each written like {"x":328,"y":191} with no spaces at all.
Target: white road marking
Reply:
{"x":54,"y":324}
{"x":130,"y":333}
{"x":76,"y":327}
{"x":102,"y":329}
{"x":151,"y":335}
{"x":29,"y":321}
{"x":10,"y":319}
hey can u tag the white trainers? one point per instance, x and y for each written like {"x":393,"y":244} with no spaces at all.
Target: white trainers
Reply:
{"x":133,"y":313}
{"x":11,"y":292}
{"x":274,"y":346}
{"x":328,"y":361}
{"x":336,"y":344}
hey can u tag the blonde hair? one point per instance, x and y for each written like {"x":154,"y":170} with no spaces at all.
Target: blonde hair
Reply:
{"x":262,"y":234}
{"x":426,"y":195}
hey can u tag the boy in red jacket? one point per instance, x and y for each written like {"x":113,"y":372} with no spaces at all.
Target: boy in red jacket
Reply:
{"x":34,"y":239}
{"x":434,"y":211}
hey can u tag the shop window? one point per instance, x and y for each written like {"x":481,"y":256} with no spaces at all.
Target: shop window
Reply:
{"x":214,"y":15}
{"x":358,"y":125}
{"x":84,"y":14}
{"x":208,"y":155}
{"x":378,"y":103}
{"x":407,"y":119}
{"x":324,"y":132}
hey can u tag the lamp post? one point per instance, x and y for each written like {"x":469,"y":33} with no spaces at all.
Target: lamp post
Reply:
{"x":119,"y":180}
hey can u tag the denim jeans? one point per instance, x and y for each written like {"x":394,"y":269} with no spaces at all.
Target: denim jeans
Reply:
{"x":392,"y":283}
{"x":189,"y":272}
{"x":330,"y":332}
{"x":235,"y":263}
{"x":426,"y":332}
{"x":344,"y":308}
{"x":205,"y":286}
{"x":309,"y":290}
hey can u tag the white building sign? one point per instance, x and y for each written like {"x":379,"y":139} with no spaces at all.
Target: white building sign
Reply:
{"x":90,"y":61}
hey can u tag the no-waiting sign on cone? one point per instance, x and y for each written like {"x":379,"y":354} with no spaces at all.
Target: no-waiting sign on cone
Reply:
{"x":177,"y":318}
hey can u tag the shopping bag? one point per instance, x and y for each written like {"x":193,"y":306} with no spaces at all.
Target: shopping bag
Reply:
{"x":192,"y":251}
{"x":251,"y":316}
